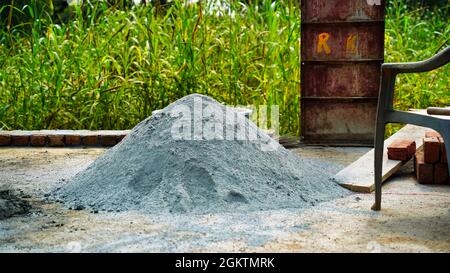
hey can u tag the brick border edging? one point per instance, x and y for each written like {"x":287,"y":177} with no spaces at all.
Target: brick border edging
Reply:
{"x":61,"y":138}
{"x":86,"y":138}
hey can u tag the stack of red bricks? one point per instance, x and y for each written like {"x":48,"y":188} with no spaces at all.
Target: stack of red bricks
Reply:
{"x":61,"y":138}
{"x":430,"y":162}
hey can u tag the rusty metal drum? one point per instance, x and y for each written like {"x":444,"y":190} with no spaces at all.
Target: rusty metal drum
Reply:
{"x":342,"y":49}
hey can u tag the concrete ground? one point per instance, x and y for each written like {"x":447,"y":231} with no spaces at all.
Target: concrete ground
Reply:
{"x":414,"y":218}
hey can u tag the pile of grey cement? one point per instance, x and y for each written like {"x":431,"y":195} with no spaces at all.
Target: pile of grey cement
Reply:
{"x":155,"y":172}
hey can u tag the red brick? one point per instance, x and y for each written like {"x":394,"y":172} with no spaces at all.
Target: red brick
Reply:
{"x":443,"y":151}
{"x":38,"y":140}
{"x":401,"y":149}
{"x":431,"y":149}
{"x":108,"y":140}
{"x":5,"y":139}
{"x":120,"y":138}
{"x":424,"y":171}
{"x":432,"y":133}
{"x":440,"y":173}
{"x":89,"y":140}
{"x":412,"y":149}
{"x":20,"y":140}
{"x":72,"y":139}
{"x":55,"y":140}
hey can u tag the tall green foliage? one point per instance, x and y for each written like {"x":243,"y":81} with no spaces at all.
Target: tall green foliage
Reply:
{"x":108,"y":68}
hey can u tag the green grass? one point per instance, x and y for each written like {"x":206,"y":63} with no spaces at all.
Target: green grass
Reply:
{"x":111,"y":70}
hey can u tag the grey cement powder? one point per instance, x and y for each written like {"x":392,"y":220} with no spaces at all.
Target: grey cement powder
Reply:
{"x":152,"y":172}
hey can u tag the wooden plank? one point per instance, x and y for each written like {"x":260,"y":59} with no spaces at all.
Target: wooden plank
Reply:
{"x":359,"y":176}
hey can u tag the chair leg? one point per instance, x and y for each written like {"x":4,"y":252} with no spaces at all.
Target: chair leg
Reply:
{"x":445,"y":132}
{"x":378,"y":164}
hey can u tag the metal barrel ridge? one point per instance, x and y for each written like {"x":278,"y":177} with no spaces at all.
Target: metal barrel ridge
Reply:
{"x":342,"y":49}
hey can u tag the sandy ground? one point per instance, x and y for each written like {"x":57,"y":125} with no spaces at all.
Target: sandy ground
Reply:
{"x":414,"y":218}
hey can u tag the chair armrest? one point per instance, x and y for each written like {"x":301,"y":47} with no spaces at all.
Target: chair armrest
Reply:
{"x":389,"y":72}
{"x":438,"y":60}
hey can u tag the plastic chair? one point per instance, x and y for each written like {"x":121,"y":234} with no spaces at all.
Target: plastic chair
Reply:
{"x":386,"y":113}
